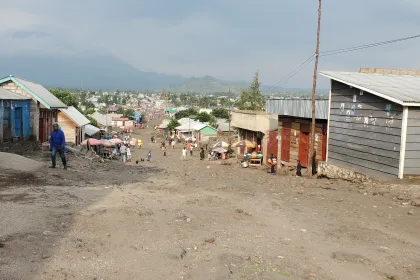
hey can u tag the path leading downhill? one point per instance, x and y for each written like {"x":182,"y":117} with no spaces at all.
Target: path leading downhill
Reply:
{"x":202,"y":220}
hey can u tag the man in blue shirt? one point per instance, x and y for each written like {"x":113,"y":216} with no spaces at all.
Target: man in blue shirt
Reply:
{"x":57,"y":144}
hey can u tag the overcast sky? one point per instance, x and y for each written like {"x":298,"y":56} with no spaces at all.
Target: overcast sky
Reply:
{"x":228,"y":39}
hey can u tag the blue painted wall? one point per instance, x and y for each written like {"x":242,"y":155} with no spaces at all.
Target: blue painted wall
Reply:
{"x":26,"y":122}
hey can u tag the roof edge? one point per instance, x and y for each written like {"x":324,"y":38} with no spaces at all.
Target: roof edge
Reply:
{"x":364,"y":89}
{"x":30,"y":92}
{"x":65,"y":113}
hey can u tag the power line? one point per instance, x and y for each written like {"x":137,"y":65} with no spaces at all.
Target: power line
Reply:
{"x":335,"y":52}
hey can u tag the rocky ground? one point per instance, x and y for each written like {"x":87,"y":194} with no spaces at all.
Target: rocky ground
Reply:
{"x":173,"y":219}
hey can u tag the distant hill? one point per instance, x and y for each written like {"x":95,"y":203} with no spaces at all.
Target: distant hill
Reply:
{"x":89,"y":71}
{"x":206,"y":84}
{"x":93,"y":71}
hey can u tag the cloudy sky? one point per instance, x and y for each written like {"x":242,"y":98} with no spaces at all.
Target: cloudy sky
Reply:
{"x":228,"y":39}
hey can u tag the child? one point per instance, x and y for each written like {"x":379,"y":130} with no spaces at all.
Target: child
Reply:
{"x":298,"y":169}
{"x":128,"y":154}
{"x":164,"y":151}
{"x":149,"y":155}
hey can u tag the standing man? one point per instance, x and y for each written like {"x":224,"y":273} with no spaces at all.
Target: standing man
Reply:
{"x":57,"y":144}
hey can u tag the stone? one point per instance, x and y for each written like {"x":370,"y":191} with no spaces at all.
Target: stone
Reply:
{"x":415,"y":202}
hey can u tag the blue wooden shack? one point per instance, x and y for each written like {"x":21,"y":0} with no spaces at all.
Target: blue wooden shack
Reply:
{"x":14,"y":116}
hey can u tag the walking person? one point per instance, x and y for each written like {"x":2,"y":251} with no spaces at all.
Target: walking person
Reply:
{"x":57,"y":144}
{"x":273,"y":162}
{"x":123,"y":152}
{"x":201,"y":153}
{"x":191,"y":150}
{"x":173,"y":143}
{"x":164,"y":151}
{"x":128,"y":154}
{"x":298,"y":169}
{"x":149,"y":155}
{"x":184,"y":154}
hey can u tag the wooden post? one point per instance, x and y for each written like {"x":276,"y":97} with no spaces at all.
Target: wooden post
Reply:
{"x":312,"y":146}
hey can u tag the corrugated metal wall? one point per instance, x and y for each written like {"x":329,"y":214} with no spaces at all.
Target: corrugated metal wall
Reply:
{"x":365,"y":130}
{"x":301,"y":108}
{"x":412,"y":147}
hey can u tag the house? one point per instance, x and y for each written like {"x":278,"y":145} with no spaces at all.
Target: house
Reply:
{"x":294,"y":129}
{"x":257,"y":127}
{"x":374,"y":121}
{"x":73,"y":124}
{"x":186,"y":129}
{"x":202,"y":132}
{"x":170,"y":112}
{"x":112,"y":109}
{"x":104,"y":120}
{"x":92,"y":132}
{"x":119,"y":122}
{"x":43,"y":105}
{"x":14,"y":116}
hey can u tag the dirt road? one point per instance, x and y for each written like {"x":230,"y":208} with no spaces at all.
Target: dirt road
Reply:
{"x":174,"y":219}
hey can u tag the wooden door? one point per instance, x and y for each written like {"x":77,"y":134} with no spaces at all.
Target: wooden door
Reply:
{"x":324,"y":147}
{"x":273,"y":144}
{"x":41,"y":130}
{"x":285,"y":144}
{"x":18,"y":122}
{"x":7,"y":133}
{"x":303,"y":148}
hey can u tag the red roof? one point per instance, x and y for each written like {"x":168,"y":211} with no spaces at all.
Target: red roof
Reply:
{"x":120,"y":119}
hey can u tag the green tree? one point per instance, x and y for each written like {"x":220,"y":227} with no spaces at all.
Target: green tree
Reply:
{"x":185,"y":113}
{"x":66,"y":97}
{"x":251,"y":98}
{"x":89,"y":111}
{"x":89,"y":105}
{"x":120,"y":110}
{"x":183,"y":98}
{"x":203,"y":117}
{"x":220,"y":113}
{"x":129,"y":113}
{"x":172,"y":124}
{"x":92,"y":121}
{"x":103,"y":110}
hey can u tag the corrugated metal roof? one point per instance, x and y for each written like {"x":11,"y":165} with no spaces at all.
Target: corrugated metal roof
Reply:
{"x":187,"y":126}
{"x":5,"y":94}
{"x":42,"y":93}
{"x":199,"y":126}
{"x":105,"y":120}
{"x":91,"y":130}
{"x":301,"y":108}
{"x":77,"y":117}
{"x":401,"y":89}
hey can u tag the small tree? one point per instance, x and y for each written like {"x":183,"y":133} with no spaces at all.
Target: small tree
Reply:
{"x":251,"y":98}
{"x":120,"y":110}
{"x":185,"y":113}
{"x":66,"y":97}
{"x":220,"y":113}
{"x":129,"y":113}
{"x":203,"y":117}
{"x":172,"y":124}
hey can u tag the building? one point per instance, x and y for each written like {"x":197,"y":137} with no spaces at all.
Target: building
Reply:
{"x":294,"y":129}
{"x":92,"y":132}
{"x":43,"y":106}
{"x":112,"y":109}
{"x":119,"y":122}
{"x":202,"y":132}
{"x":257,"y":127}
{"x":374,"y":121}
{"x":105,"y":120}
{"x":73,"y":124}
{"x":14,"y":116}
{"x":205,"y":110}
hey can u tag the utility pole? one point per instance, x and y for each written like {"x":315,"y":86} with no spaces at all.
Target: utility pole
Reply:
{"x":229,"y":119}
{"x":312,"y":147}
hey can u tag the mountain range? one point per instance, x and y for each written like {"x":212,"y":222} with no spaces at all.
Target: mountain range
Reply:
{"x":106,"y":72}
